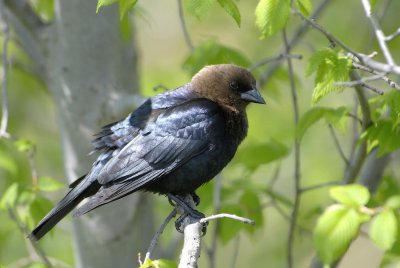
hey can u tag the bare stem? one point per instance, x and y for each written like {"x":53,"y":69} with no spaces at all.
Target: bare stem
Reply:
{"x":297,"y":176}
{"x":184,"y":27}
{"x":37,"y":249}
{"x":4,"y":73}
{"x":337,"y":144}
{"x":156,"y":237}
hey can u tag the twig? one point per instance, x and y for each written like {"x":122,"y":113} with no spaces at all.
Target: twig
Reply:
{"x":359,"y":156}
{"x":297,"y":176}
{"x":360,"y":82}
{"x":378,"y":32}
{"x":4,"y":73}
{"x":392,"y":36}
{"x":226,"y":215}
{"x":235,"y":252}
{"x":337,"y":144}
{"x":319,"y":186}
{"x":154,"y":241}
{"x":378,"y":75}
{"x":212,"y":252}
{"x":38,"y":250}
{"x":184,"y":27}
{"x":277,"y":58}
{"x":387,"y":68}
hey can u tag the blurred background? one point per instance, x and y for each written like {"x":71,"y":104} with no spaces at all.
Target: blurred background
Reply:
{"x":259,"y":183}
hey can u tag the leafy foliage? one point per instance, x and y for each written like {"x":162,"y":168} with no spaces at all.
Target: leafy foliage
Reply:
{"x":384,"y":135}
{"x":210,"y":52}
{"x":330,"y":68}
{"x":335,"y":229}
{"x":124,"y":6}
{"x":352,"y":195}
{"x":272,"y":16}
{"x":305,"y":6}
{"x":232,"y":9}
{"x":160,"y":263}
{"x":258,"y":154}
{"x":336,"y":117}
{"x":383,"y":229}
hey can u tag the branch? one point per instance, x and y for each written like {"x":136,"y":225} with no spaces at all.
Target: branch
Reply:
{"x":184,"y":28}
{"x":337,"y":144}
{"x":365,"y":60}
{"x":392,"y":36}
{"x":377,"y":74}
{"x":297,"y":176}
{"x":226,"y":215}
{"x":38,"y":250}
{"x":211,"y":253}
{"x":277,"y":58}
{"x":29,"y":29}
{"x":378,"y":32}
{"x":4,"y":73}
{"x":156,"y":237}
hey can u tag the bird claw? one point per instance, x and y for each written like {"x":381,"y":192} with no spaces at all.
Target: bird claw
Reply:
{"x":179,"y":223}
{"x":196,"y":198}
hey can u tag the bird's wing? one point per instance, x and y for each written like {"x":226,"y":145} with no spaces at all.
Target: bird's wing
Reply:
{"x":177,"y":135}
{"x":118,"y":134}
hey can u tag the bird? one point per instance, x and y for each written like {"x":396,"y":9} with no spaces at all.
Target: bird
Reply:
{"x":171,"y":144}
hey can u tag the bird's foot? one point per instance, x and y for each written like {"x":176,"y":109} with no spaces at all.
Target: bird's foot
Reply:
{"x":180,"y":223}
{"x":188,"y":211}
{"x":196,"y":198}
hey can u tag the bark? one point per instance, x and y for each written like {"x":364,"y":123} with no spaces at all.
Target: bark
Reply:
{"x":89,"y":69}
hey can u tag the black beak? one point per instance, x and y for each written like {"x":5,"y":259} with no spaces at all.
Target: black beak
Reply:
{"x":252,"y":95}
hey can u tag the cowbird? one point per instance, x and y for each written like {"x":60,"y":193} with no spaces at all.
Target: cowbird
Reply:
{"x":172,"y":144}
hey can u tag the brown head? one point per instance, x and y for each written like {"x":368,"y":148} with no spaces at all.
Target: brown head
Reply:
{"x":229,"y":85}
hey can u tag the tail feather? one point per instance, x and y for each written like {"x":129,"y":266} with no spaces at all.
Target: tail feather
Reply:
{"x":84,"y":189}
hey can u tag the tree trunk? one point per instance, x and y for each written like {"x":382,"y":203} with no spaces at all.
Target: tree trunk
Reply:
{"x":89,"y":69}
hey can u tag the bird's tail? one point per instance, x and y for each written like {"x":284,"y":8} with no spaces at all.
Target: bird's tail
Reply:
{"x":84,"y":189}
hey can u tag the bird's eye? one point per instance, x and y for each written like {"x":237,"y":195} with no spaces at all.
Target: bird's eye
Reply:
{"x":234,"y":85}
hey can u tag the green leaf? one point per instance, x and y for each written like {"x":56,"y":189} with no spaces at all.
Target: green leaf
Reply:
{"x":336,"y":117}
{"x":308,"y":119}
{"x":382,"y":135}
{"x":255,"y":155}
{"x":271,"y":16}
{"x":24,"y":145}
{"x":10,"y":196}
{"x":8,"y":163}
{"x":125,"y":6}
{"x":305,"y":7}
{"x":231,"y":8}
{"x":44,"y":8}
{"x":103,"y":3}
{"x":330,"y":68}
{"x":383,"y":230}
{"x":200,"y":7}
{"x":47,"y":184}
{"x":210,"y":52}
{"x":335,"y":230}
{"x":38,"y":208}
{"x":160,"y":263}
{"x":125,"y":28}
{"x":393,"y":202}
{"x":351,"y":195}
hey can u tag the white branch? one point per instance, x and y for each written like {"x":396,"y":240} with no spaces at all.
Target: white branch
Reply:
{"x":4,"y":73}
{"x":378,"y":32}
